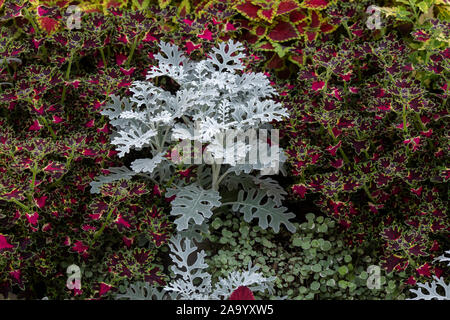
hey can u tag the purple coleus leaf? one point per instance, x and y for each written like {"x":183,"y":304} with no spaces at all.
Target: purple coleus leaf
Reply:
{"x":80,"y":247}
{"x":40,"y":202}
{"x":32,"y":218}
{"x":318,"y":85}
{"x":333,"y":149}
{"x":14,"y":194}
{"x":104,"y":288}
{"x":300,"y":189}
{"x":36,"y":126}
{"x":242,"y":293}
{"x":4,"y":243}
{"x":54,"y":167}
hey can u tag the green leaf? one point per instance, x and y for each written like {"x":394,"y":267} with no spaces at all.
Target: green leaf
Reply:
{"x":305,"y":245}
{"x":163,"y":3}
{"x":141,"y":4}
{"x":423,"y":6}
{"x":290,"y":278}
{"x":316,"y":268}
{"x":343,"y":270}
{"x":297,"y":242}
{"x":322,"y":228}
{"x":331,"y":283}
{"x":343,"y":284}
{"x":217,"y":223}
{"x":326,"y":246}
{"x":315,"y":285}
{"x":310,"y":217}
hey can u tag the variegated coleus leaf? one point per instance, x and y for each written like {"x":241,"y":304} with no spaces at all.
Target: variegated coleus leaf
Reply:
{"x":138,"y":264}
{"x":118,"y":173}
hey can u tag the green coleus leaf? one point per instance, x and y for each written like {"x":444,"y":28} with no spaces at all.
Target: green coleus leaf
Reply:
{"x":163,"y":3}
{"x":141,"y":4}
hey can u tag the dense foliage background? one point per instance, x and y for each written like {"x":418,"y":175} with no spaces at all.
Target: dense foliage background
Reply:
{"x":366,"y":142}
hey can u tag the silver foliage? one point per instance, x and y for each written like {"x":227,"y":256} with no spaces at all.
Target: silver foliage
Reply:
{"x":192,"y":203}
{"x":189,"y":273}
{"x":433,"y":287}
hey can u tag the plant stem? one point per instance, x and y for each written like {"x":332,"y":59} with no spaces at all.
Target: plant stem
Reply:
{"x":45,"y":122}
{"x":222,"y":177}
{"x":359,"y":137}
{"x":31,"y":20}
{"x":103,"y":57}
{"x":33,"y":179}
{"x":368,"y":193}
{"x":108,"y":217}
{"x":20,"y":204}
{"x":215,"y":176}
{"x":405,"y":127}
{"x":63,"y":97}
{"x":68,"y":162}
{"x":133,"y":47}
{"x":350,"y":35}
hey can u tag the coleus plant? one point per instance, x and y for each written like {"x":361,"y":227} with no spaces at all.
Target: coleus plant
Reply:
{"x":367,"y":141}
{"x":56,"y":92}
{"x":201,"y":102}
{"x":194,"y":282}
{"x":51,"y":148}
{"x":271,"y":26}
{"x":416,"y":11}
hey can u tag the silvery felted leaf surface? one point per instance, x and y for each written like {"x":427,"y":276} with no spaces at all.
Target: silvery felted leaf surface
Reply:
{"x":272,"y":188}
{"x":192,"y":203}
{"x":194,"y":283}
{"x":432,"y":290}
{"x":255,"y":204}
{"x":249,"y":278}
{"x":144,"y":291}
{"x":189,"y":268}
{"x":227,"y":56}
{"x":117,"y":173}
{"x":147,"y":165}
{"x":444,"y":258}
{"x":134,"y":137}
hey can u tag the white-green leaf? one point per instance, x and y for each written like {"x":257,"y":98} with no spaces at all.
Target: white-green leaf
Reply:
{"x":192,"y":203}
{"x":147,"y":165}
{"x":117,"y":173}
{"x":255,"y":204}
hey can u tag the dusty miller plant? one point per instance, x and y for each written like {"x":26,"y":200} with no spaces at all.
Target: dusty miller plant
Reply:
{"x":217,"y":104}
{"x":433,"y":287}
{"x":194,"y":282}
